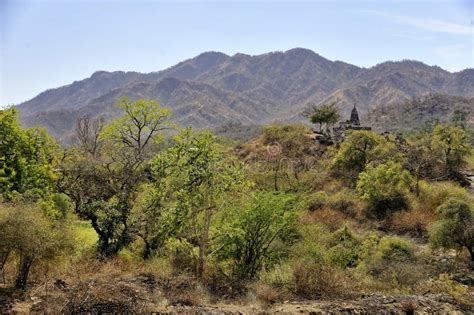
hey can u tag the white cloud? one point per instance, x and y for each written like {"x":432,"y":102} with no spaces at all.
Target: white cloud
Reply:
{"x":427,"y":24}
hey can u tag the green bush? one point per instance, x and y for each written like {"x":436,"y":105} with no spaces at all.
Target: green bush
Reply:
{"x":394,"y":249}
{"x":384,"y":187}
{"x":29,"y":235}
{"x":259,"y":234}
{"x":318,"y":201}
{"x":343,"y":201}
{"x":432,"y":195}
{"x":345,"y":251}
{"x":455,"y":227}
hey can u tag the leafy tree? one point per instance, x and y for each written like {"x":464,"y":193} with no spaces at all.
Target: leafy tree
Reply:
{"x":285,"y":158}
{"x":28,"y":234}
{"x":384,"y":188}
{"x":452,"y":147}
{"x":455,"y":227}
{"x":103,"y":184}
{"x":360,"y":149}
{"x":324,"y":115}
{"x":201,"y":180}
{"x":140,"y":126}
{"x":27,"y":158}
{"x":256,"y":235}
{"x":154,"y":218}
{"x":190,"y":182}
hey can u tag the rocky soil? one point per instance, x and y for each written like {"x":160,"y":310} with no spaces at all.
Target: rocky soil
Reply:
{"x":144,"y":294}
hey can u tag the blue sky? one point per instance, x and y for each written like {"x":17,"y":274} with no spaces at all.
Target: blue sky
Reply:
{"x":45,"y":44}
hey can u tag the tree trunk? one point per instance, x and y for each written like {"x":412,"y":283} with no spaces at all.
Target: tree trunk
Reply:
{"x":471,"y":252}
{"x":3,"y":260}
{"x":147,"y":251}
{"x":204,"y":242}
{"x":23,"y":270}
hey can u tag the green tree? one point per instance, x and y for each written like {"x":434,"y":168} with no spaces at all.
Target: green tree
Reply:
{"x":455,"y":227}
{"x":384,"y":187}
{"x":361,"y":148}
{"x":103,"y":182}
{"x":451,"y":146}
{"x":257,"y":235}
{"x":190,"y":182}
{"x":202,"y":181}
{"x":324,"y":115}
{"x":140,"y":126}
{"x":29,"y":235}
{"x":27,"y":158}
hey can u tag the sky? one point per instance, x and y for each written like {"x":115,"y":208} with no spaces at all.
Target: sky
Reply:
{"x":45,"y":44}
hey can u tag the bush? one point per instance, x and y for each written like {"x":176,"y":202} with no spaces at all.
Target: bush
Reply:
{"x":28,"y":234}
{"x":455,"y":227}
{"x":414,"y":222}
{"x":344,"y":201}
{"x":432,"y":195}
{"x":280,"y":276}
{"x":259,"y":234}
{"x":318,"y":201}
{"x":384,"y":187}
{"x":393,"y":263}
{"x":394,"y":249}
{"x":345,"y":250}
{"x":182,"y":254}
{"x":317,"y":280}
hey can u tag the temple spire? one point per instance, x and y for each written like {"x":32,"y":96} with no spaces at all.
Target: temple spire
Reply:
{"x":355,"y":117}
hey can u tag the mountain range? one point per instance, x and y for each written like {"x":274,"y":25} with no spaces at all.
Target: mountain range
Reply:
{"x":214,"y":89}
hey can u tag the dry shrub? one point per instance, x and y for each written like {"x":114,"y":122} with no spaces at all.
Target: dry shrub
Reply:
{"x":444,"y":284}
{"x":414,"y":223}
{"x":185,"y":290}
{"x":401,"y":275}
{"x":315,"y":280}
{"x":267,"y":294}
{"x":187,"y":297}
{"x":345,"y":202}
{"x":318,"y":201}
{"x":221,"y":285}
{"x":329,"y":217}
{"x":432,"y":195}
{"x":409,"y":307}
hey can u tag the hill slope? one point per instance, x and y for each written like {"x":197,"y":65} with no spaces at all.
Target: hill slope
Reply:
{"x":214,"y":89}
{"x":416,"y":112}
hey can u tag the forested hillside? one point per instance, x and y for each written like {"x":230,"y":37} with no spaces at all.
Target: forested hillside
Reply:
{"x":140,"y":215}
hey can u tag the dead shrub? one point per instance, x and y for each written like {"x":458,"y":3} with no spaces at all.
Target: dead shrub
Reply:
{"x":329,"y":217}
{"x":219,"y":284}
{"x":414,"y":223}
{"x":267,"y":294}
{"x":316,"y":280}
{"x":185,"y":298}
{"x":409,"y":307}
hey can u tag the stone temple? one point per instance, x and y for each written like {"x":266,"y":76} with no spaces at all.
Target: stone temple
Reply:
{"x":353,"y":123}
{"x":338,"y":133}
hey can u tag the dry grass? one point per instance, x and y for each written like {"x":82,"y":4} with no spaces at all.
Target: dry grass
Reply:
{"x":333,"y":219}
{"x":267,"y":294}
{"x":314,"y":281}
{"x":414,"y":222}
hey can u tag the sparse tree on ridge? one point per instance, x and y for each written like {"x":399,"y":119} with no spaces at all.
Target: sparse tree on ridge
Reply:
{"x":324,"y":115}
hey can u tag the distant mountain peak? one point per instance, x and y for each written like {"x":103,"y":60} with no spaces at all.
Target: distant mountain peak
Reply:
{"x":214,"y":89}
